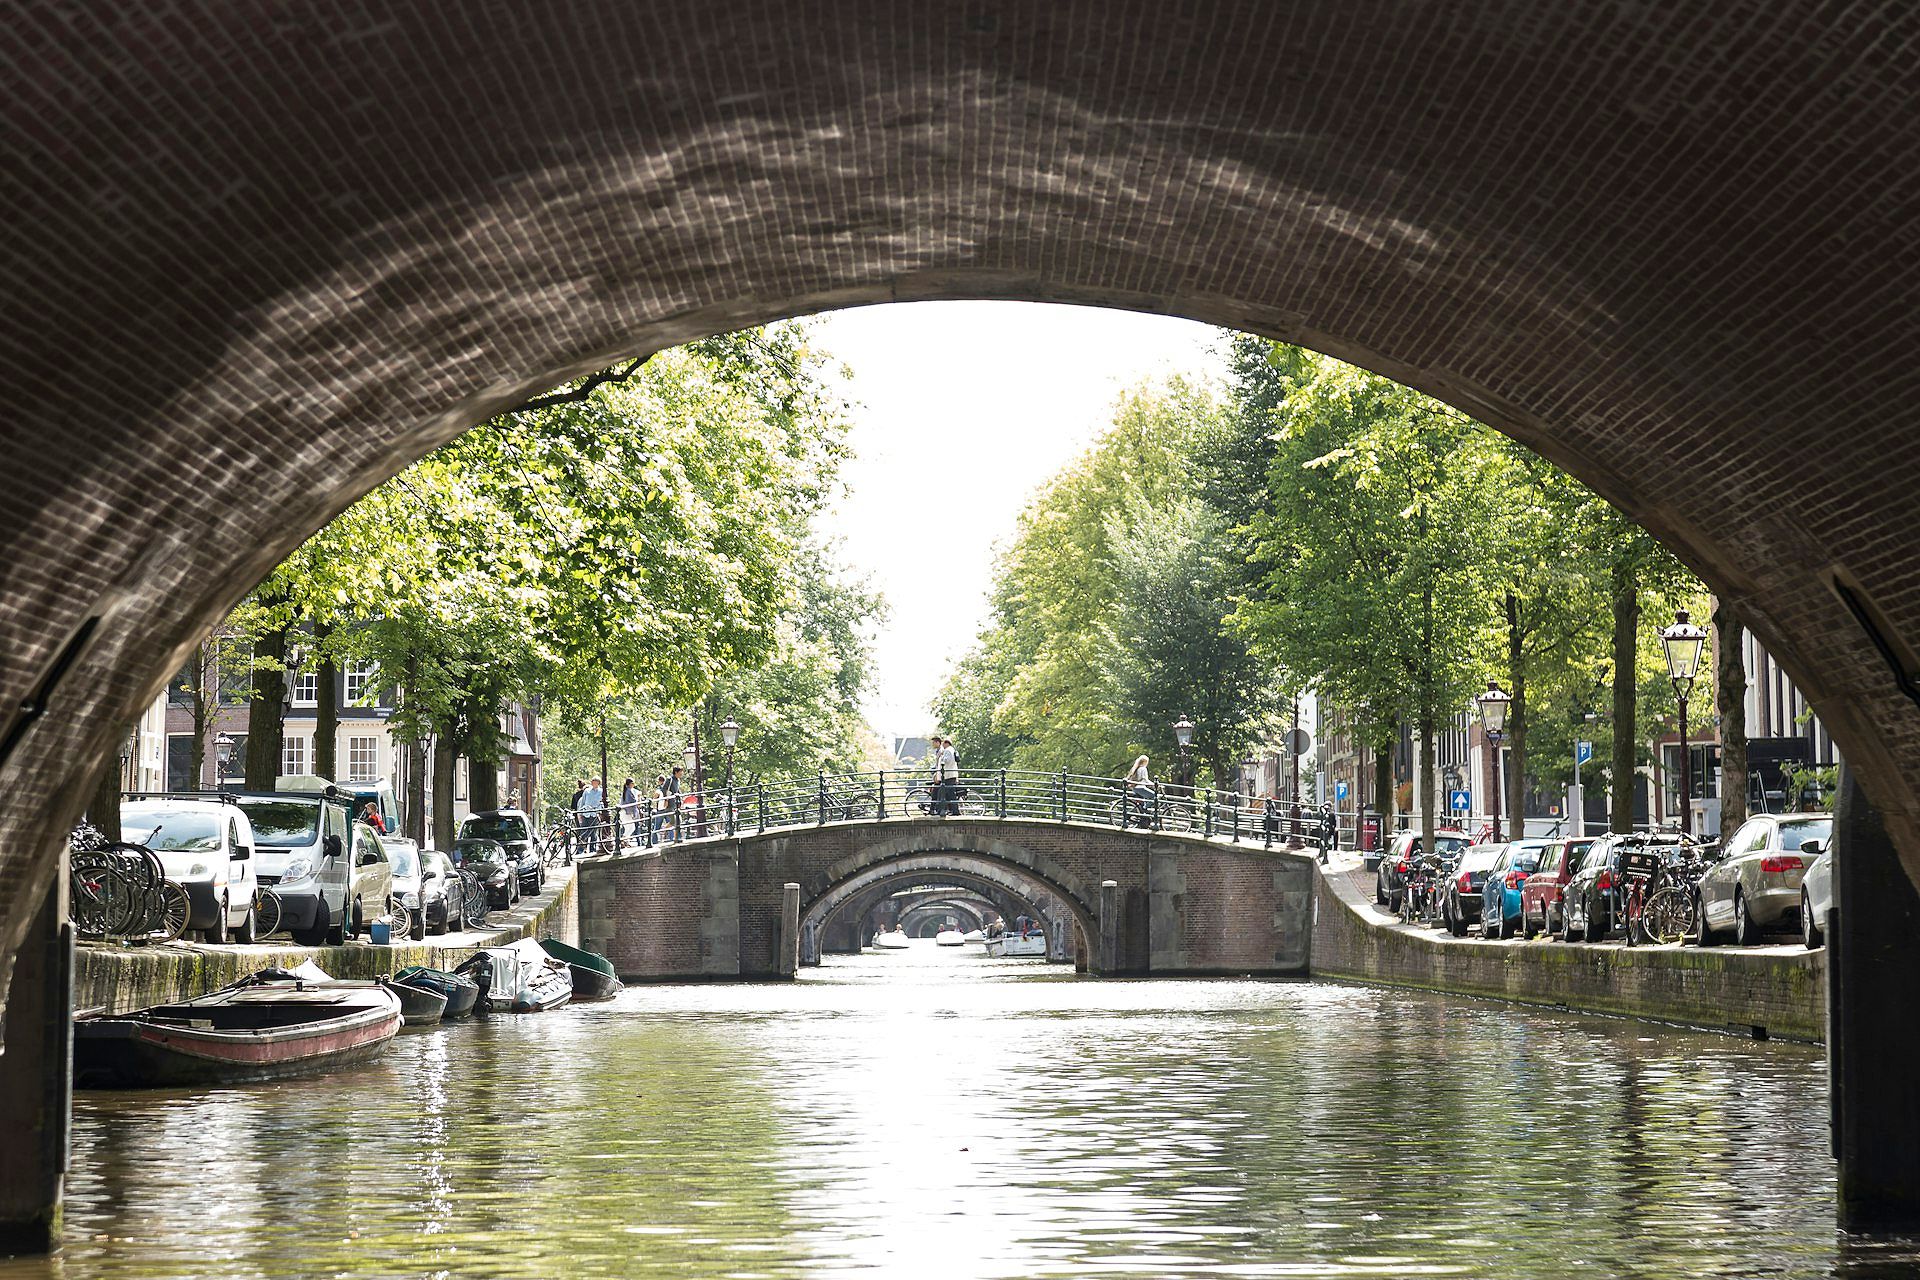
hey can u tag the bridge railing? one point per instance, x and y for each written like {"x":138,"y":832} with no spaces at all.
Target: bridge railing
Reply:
{"x":818,"y":799}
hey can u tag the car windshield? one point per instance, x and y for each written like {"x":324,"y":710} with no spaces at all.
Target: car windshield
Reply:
{"x":494,"y":826}
{"x":1479,"y":857}
{"x":1527,"y":857}
{"x":480,"y":850}
{"x":182,"y":831}
{"x":403,"y":862}
{"x":1450,"y":846}
{"x":283,"y":824}
{"x":1795,"y":834}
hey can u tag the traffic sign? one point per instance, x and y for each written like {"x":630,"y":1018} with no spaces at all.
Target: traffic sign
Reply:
{"x":1582,"y":752}
{"x":1300,"y":742}
{"x":1460,"y":801}
{"x":1340,"y":790}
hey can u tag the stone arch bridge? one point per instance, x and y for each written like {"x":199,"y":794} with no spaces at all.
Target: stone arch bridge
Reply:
{"x":1137,"y":902}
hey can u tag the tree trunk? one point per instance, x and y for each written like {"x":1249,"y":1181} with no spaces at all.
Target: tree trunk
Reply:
{"x":415,"y":817}
{"x":1429,"y":818}
{"x":1383,"y":797}
{"x":326,"y":714}
{"x":1626,"y":648}
{"x":103,"y":810}
{"x":443,"y":758}
{"x":1516,"y":796}
{"x":267,"y":713}
{"x":203,"y":670}
{"x":1730,"y":675}
{"x":483,"y":784}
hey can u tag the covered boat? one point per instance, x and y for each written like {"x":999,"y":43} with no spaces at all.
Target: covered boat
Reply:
{"x":593,"y":975}
{"x":419,"y":1006}
{"x":462,"y":992}
{"x":259,"y":1029}
{"x":521,"y":977}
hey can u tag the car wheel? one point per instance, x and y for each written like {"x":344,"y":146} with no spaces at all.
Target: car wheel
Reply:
{"x":417,"y":925}
{"x":1380,"y":888}
{"x":1745,"y":931}
{"x":1458,"y":925}
{"x":336,"y":933}
{"x":315,"y":934}
{"x":1809,"y":931}
{"x":1701,"y":927}
{"x":1527,"y":930}
{"x":217,"y":931}
{"x":247,"y":932}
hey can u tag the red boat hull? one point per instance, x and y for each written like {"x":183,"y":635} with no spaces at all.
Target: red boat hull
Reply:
{"x":136,"y":1052}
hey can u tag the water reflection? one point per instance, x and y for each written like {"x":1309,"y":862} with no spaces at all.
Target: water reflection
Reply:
{"x":945,"y":1115}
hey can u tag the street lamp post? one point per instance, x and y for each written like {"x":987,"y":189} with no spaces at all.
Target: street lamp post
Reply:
{"x":730,"y":734}
{"x":692,"y":757}
{"x":1683,"y":643}
{"x":1183,"y":736}
{"x":1493,"y":718}
{"x":223,"y":744}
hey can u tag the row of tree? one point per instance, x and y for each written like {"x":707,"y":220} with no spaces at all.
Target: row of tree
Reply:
{"x":1314,"y":526}
{"x":619,"y":551}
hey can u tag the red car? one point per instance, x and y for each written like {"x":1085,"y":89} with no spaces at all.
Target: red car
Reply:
{"x":1540,"y":910}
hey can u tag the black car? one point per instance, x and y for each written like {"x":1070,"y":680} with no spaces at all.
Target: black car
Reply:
{"x":512,"y":829}
{"x":489,"y":860}
{"x":1460,"y":901}
{"x":444,"y":894}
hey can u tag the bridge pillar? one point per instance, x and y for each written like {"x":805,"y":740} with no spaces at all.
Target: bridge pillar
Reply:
{"x":1108,"y":952}
{"x":36,"y":1079}
{"x":1873,"y":1021}
{"x":787,"y":961}
{"x":810,"y":943}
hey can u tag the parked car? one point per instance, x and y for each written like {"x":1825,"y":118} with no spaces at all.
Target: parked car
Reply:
{"x":409,"y":879}
{"x":372,"y":879}
{"x":490,"y":861}
{"x":1391,"y":879}
{"x":1541,"y":895}
{"x":1754,"y":884}
{"x":513,"y":830}
{"x":1590,"y":905}
{"x":1816,"y":894}
{"x":301,"y":844}
{"x":1460,"y":896}
{"x":1500,"y":896}
{"x":446,"y":893}
{"x":207,"y":848}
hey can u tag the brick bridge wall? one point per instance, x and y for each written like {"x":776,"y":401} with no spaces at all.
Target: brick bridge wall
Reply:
{"x":1180,"y":904}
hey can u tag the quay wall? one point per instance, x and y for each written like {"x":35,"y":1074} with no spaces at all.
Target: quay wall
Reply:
{"x":1777,"y":992}
{"x":116,"y":979}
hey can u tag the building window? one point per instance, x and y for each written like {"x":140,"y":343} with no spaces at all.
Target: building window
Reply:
{"x":359,"y":682}
{"x":180,"y":763}
{"x":306,"y":689}
{"x":363,"y":757}
{"x":293,"y":756}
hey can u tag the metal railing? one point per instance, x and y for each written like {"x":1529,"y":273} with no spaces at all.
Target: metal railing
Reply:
{"x":822,"y":798}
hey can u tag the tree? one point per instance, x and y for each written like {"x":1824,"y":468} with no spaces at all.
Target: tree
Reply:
{"x":1730,"y":688}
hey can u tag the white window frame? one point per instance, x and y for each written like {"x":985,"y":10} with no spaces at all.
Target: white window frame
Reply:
{"x":359,"y":746}
{"x":306,"y":689}
{"x":358,"y":679}
{"x":295,"y":751}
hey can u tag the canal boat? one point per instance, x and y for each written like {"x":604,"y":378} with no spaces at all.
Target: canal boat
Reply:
{"x":1012,"y":944}
{"x":974,"y":935}
{"x":462,"y":992}
{"x":593,"y":976}
{"x":263,"y":1028}
{"x":521,"y":977}
{"x":420,"y":1006}
{"x":891,"y":940}
{"x":949,"y":938}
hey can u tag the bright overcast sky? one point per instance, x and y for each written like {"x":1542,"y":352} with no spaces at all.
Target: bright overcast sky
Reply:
{"x":961,"y":410}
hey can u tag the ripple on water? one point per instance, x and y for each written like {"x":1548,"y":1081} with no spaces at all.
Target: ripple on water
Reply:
{"x":949,"y":1116}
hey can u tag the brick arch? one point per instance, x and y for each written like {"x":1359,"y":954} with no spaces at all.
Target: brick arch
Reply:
{"x":1669,"y":254}
{"x":988,"y":862}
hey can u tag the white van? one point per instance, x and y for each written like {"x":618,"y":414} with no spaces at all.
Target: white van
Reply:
{"x":207,"y":847}
{"x":303,"y":857}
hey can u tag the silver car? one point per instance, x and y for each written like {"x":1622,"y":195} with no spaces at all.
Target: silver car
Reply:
{"x":1816,"y":896}
{"x":1755,"y":882}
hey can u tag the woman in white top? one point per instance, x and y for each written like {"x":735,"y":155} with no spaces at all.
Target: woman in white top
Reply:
{"x":1140,"y":780}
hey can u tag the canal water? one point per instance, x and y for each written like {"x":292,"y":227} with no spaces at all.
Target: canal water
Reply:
{"x":937,"y":1114}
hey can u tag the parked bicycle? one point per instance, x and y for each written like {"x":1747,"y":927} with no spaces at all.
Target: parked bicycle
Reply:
{"x":1418,"y":904}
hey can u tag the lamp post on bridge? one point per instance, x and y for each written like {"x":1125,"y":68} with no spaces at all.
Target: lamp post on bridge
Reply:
{"x":1683,"y":642}
{"x":1183,"y":737}
{"x":681,"y":823}
{"x":730,"y":734}
{"x":1493,"y":718}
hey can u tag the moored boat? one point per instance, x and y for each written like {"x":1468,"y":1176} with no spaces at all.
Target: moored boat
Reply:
{"x":974,"y":935}
{"x":462,"y":992}
{"x":420,"y":1006}
{"x":259,"y":1029}
{"x":521,"y":977}
{"x":1012,"y":944}
{"x":949,"y":938}
{"x":891,"y":940}
{"x":593,"y":976}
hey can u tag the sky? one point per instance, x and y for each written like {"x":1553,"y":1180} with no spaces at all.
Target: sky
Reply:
{"x":961,"y":410}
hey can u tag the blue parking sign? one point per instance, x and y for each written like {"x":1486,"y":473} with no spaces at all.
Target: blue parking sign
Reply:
{"x":1340,"y":791}
{"x":1582,"y":752}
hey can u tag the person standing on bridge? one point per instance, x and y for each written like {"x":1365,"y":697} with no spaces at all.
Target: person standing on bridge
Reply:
{"x":949,"y":778}
{"x":592,"y":801}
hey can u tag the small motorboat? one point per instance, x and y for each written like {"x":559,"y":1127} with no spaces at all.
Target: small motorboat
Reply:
{"x":974,"y":935}
{"x":421,"y":1006}
{"x":894,"y":939}
{"x":521,"y":977}
{"x":462,"y":992}
{"x":949,"y":938}
{"x":261,"y":1028}
{"x":1013,"y":944}
{"x":593,"y":976}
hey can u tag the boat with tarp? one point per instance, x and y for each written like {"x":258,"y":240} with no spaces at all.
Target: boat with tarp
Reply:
{"x":461,"y":992}
{"x":592,"y":974}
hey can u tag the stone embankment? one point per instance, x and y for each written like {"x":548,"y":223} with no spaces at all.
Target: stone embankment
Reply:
{"x":1777,"y":991}
{"x":115,"y":979}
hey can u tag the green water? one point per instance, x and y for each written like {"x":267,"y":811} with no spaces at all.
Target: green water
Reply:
{"x":936,"y":1114}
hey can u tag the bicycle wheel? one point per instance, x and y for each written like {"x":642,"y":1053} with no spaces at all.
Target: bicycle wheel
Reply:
{"x":266,"y":913}
{"x":95,"y":898}
{"x":1667,"y":917}
{"x":173,"y":910}
{"x":399,"y":918}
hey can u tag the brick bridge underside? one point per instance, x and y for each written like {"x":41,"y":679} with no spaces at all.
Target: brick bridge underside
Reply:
{"x":1144,"y":903}
{"x":258,"y":260}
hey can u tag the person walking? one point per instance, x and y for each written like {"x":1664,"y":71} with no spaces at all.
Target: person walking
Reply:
{"x":659,"y":806}
{"x":573,"y":817}
{"x":593,"y":802}
{"x":630,"y":808}
{"x":676,"y":816}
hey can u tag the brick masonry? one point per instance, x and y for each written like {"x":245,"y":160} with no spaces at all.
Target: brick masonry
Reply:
{"x":1723,"y":988}
{"x":1182,"y":905}
{"x":256,"y":263}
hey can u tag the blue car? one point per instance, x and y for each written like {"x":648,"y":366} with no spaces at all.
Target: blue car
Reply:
{"x":1500,"y":897}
